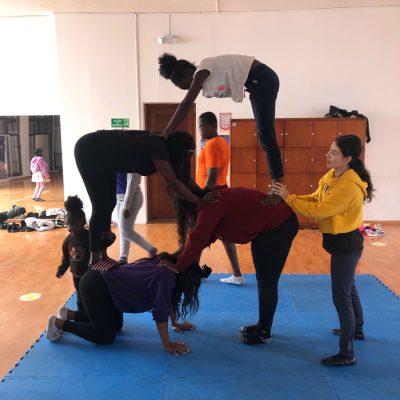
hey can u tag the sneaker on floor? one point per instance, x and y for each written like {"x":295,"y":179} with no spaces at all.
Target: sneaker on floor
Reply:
{"x":234,"y":280}
{"x":39,"y":199}
{"x":256,"y":337}
{"x":357,"y":335}
{"x":338,"y":360}
{"x":62,"y":313}
{"x":248,"y":329}
{"x":52,"y":333}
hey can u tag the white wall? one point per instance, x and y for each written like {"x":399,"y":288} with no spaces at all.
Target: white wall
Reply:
{"x":348,"y":57}
{"x":28,"y":67}
{"x":97,"y":72}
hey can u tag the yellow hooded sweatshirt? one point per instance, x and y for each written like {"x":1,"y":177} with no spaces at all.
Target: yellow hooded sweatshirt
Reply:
{"x":337,"y":203}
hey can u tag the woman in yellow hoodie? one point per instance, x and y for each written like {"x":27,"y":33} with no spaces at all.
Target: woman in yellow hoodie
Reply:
{"x":338,"y":204}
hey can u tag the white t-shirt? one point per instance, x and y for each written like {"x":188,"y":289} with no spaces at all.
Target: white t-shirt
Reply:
{"x":228,"y":74}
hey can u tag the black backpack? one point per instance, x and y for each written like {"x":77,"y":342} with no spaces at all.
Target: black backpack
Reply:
{"x":340,"y":112}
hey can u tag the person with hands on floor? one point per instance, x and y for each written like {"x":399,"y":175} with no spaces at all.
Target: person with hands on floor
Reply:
{"x":338,"y":205}
{"x":145,"y":285}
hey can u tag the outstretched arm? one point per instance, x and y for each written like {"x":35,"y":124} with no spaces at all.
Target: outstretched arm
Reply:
{"x":183,"y":192}
{"x":186,"y":103}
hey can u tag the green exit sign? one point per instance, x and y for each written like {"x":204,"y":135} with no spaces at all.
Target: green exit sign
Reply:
{"x":119,"y":122}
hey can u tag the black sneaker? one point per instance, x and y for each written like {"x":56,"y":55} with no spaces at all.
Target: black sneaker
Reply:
{"x":338,"y":360}
{"x":357,"y":335}
{"x":248,"y":329}
{"x":256,"y":337}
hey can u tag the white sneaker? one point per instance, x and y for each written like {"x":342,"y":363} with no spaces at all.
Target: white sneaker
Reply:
{"x":234,"y":280}
{"x":62,"y":313}
{"x":53,"y":333}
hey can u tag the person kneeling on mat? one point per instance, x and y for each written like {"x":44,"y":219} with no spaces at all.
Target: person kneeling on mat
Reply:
{"x":241,"y":217}
{"x":145,"y":285}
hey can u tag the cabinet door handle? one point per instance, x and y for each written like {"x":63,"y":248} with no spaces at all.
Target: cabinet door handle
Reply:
{"x":254,"y":160}
{"x":312,"y":133}
{"x":281,"y":133}
{"x":311,"y":185}
{"x":339,"y":133}
{"x":312,"y":160}
{"x":285,"y":159}
{"x":286,"y":134}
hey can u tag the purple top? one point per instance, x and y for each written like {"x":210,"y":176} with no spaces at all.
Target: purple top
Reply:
{"x":141,"y":287}
{"x":121,"y":182}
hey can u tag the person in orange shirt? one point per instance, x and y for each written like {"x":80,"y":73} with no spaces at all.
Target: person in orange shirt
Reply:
{"x":212,"y":170}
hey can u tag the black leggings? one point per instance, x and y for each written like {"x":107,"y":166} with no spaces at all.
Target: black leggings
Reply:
{"x":94,"y":162}
{"x":270,"y":250}
{"x":101,"y":321}
{"x":263,"y":86}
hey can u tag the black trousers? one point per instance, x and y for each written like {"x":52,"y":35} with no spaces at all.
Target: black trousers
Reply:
{"x":263,"y":86}
{"x":101,"y":321}
{"x":346,"y":300}
{"x":76,"y":279}
{"x":95,"y":164}
{"x":270,"y":250}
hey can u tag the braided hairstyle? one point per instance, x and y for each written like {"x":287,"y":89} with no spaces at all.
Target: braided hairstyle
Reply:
{"x":350,"y":146}
{"x":172,"y":68}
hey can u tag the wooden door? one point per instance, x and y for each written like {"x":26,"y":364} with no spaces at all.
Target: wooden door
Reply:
{"x":157,"y":116}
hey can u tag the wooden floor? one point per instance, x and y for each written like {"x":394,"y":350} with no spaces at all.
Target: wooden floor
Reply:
{"x":29,"y":262}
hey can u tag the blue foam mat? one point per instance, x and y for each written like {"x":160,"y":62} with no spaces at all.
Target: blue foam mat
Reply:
{"x":219,"y":366}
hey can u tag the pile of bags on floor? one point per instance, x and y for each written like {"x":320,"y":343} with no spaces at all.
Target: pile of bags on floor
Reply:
{"x":372,"y":230}
{"x":45,"y":221}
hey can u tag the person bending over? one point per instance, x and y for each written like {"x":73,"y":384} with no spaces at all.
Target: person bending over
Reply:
{"x":240,"y":217}
{"x":145,"y":285}
{"x":100,"y":155}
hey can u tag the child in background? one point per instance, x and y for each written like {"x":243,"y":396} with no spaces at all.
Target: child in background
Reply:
{"x":129,"y":202}
{"x":75,"y":247}
{"x":40,"y":174}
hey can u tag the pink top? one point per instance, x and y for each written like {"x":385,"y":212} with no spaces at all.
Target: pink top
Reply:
{"x":39,"y":165}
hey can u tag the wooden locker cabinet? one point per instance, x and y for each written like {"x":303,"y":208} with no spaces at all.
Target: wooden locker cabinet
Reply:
{"x":303,"y":142}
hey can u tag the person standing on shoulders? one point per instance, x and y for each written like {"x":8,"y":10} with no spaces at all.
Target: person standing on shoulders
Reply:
{"x":228,"y":76}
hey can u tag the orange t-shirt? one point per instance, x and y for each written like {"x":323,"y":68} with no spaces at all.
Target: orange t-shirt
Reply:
{"x":215,"y":154}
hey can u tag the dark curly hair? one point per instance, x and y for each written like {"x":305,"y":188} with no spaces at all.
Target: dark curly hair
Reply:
{"x":74,"y":207}
{"x":172,"y":68}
